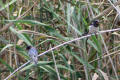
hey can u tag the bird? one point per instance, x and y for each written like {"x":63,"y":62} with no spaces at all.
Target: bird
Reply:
{"x":33,"y":53}
{"x":94,"y":27}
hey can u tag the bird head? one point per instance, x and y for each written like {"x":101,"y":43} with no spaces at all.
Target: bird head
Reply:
{"x":95,"y":23}
{"x":28,"y":47}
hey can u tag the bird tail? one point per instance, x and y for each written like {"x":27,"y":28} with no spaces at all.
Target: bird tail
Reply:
{"x":85,"y":32}
{"x":35,"y":60}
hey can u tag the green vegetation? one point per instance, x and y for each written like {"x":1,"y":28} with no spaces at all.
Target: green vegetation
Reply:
{"x":48,"y":23}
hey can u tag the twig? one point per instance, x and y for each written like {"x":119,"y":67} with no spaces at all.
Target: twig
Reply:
{"x":102,"y":57}
{"x":117,"y":9}
{"x":111,"y":30}
{"x":17,"y":70}
{"x":55,"y":65}
{"x":106,"y":11}
{"x":110,"y":58}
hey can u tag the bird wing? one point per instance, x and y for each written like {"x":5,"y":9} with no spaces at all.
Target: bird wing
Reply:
{"x":32,"y":52}
{"x":93,"y":29}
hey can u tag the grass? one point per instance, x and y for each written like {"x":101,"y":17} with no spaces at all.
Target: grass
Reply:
{"x":46,"y":24}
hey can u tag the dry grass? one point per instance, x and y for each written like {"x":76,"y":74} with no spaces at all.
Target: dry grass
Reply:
{"x":48,"y":23}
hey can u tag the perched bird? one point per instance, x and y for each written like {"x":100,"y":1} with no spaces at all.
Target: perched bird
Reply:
{"x":93,"y":28}
{"x":32,"y":51}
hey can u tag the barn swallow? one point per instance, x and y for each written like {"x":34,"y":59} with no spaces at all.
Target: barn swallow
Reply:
{"x":32,"y":52}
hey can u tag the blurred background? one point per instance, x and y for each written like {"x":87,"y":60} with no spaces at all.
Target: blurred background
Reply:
{"x":47,"y":23}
